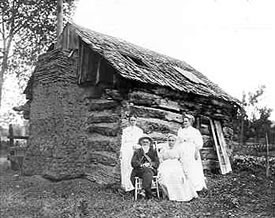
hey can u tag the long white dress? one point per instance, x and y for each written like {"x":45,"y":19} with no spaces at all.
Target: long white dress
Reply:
{"x":172,"y":178}
{"x":190,"y":139}
{"x":130,"y":137}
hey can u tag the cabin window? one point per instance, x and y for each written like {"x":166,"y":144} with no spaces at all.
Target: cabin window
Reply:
{"x":189,"y":75}
{"x":135,"y":60}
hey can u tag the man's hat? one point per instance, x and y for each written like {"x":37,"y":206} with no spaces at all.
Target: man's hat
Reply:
{"x":145,"y":137}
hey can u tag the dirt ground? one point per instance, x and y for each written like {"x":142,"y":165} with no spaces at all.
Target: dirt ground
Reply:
{"x":244,"y":193}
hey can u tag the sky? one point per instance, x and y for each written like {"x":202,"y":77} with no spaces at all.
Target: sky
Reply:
{"x":232,"y":42}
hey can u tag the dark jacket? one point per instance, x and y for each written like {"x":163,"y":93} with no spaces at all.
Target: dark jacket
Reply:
{"x":139,"y":158}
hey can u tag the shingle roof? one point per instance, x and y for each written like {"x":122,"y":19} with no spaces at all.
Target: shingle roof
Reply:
{"x":136,"y":63}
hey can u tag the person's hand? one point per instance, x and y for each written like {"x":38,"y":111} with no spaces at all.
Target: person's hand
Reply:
{"x":136,"y":146}
{"x":146,"y":165}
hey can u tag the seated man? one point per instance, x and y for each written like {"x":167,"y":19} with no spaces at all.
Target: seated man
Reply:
{"x":145,"y":163}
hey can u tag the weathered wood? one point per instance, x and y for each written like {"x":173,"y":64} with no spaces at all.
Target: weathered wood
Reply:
{"x":223,"y":146}
{"x":144,"y":98}
{"x":108,"y":129}
{"x":150,"y":125}
{"x":102,"y":104}
{"x":220,"y":103}
{"x":191,"y":105}
{"x":102,"y":117}
{"x":113,"y":94}
{"x":152,"y":100}
{"x":148,"y":112}
{"x":168,"y":104}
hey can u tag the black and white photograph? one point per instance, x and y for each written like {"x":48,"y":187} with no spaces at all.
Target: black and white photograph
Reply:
{"x":137,"y":108}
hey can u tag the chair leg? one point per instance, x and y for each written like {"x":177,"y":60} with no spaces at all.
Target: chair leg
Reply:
{"x":136,"y":189}
{"x":136,"y":193}
{"x":158,"y":191}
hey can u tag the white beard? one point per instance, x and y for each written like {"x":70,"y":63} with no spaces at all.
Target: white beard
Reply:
{"x":145,"y":149}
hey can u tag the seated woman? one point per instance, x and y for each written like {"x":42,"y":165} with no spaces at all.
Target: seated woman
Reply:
{"x":172,"y":179}
{"x":145,"y":162}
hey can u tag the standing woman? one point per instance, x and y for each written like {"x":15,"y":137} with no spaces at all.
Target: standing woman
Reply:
{"x":190,"y":142}
{"x":130,"y":137}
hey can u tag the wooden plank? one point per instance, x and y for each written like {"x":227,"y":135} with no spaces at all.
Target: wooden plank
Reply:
{"x":218,"y":149}
{"x":149,"y":112}
{"x":222,"y":144}
{"x":168,"y":104}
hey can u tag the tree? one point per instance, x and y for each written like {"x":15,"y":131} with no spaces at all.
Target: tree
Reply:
{"x":255,"y":120}
{"x":27,"y":27}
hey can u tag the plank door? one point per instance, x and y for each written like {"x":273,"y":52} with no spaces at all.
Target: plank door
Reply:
{"x":220,"y":146}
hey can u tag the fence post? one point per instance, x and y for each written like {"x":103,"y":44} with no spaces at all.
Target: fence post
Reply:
{"x":11,"y":135}
{"x":267,"y":156}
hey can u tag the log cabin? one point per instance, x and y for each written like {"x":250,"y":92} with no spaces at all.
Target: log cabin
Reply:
{"x":83,"y":90}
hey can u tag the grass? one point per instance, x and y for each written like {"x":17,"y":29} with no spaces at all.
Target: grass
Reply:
{"x":244,"y":193}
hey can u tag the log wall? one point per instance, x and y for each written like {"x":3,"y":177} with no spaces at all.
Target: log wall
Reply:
{"x":160,"y":112}
{"x":76,"y":130}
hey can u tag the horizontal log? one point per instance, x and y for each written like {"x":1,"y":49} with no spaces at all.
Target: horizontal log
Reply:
{"x":149,"y":112}
{"x":113,"y":94}
{"x":102,"y":117}
{"x":143,"y":98}
{"x":221,"y":117}
{"x":210,"y":114}
{"x":152,"y":100}
{"x":168,"y":104}
{"x":191,"y":105}
{"x":168,"y":93}
{"x":102,"y":104}
{"x":108,"y":129}
{"x":150,"y":125}
{"x":220,"y":104}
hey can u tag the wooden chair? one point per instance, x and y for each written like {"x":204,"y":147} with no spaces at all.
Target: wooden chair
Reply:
{"x":138,"y":186}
